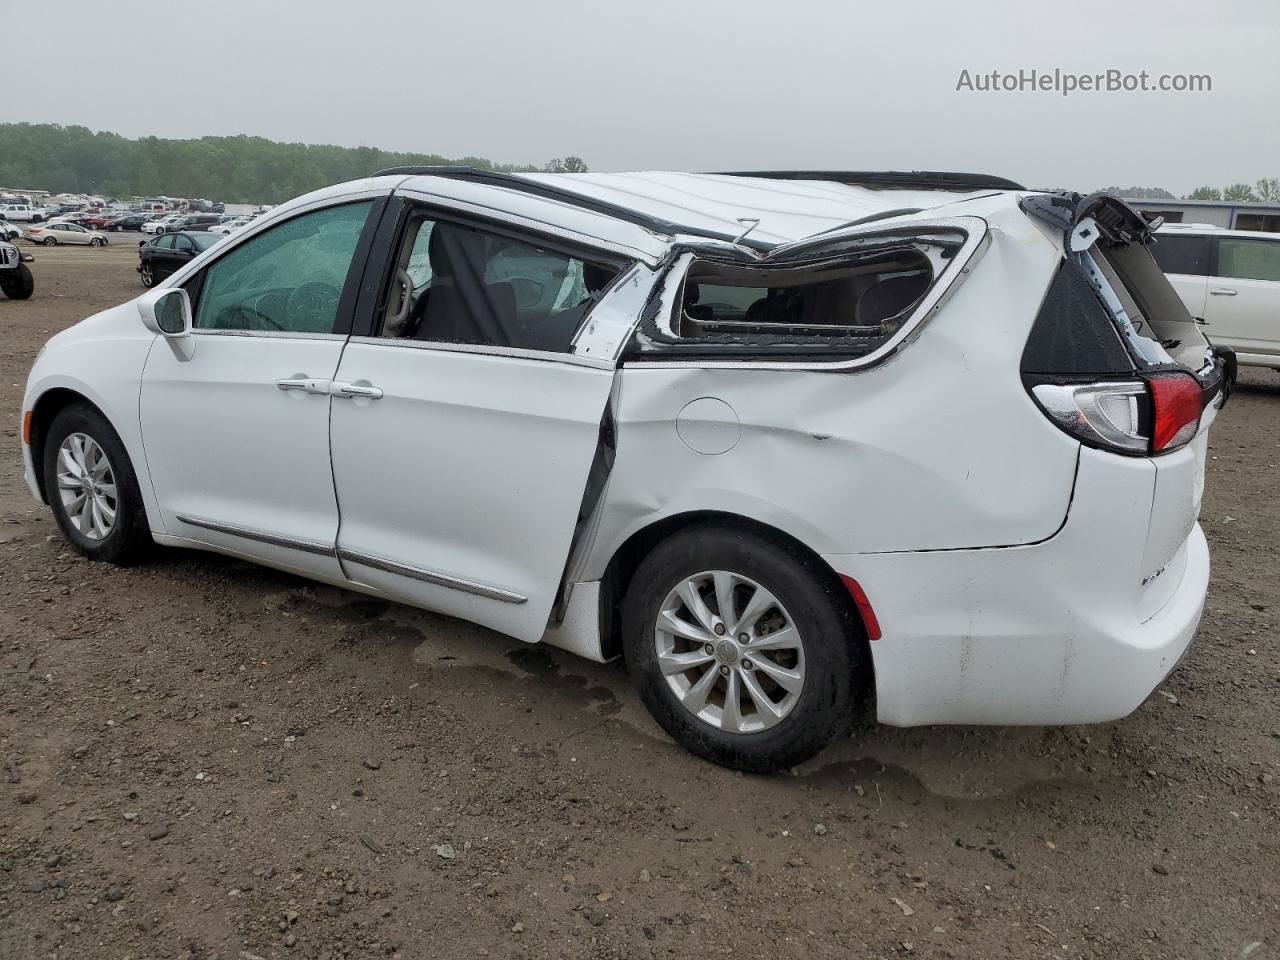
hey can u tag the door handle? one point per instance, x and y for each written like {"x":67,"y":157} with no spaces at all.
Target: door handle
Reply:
{"x":350,"y":391}
{"x":304,"y":384}
{"x":1223,"y":292}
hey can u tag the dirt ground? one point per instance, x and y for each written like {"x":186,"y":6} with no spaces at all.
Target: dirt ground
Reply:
{"x":200,"y":758}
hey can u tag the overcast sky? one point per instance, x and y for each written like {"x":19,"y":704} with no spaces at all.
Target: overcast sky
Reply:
{"x":693,"y":84}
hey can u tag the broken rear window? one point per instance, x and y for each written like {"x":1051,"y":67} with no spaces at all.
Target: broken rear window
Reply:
{"x":844,"y":301}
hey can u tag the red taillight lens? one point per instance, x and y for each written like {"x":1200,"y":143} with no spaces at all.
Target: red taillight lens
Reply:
{"x":1176,"y":408}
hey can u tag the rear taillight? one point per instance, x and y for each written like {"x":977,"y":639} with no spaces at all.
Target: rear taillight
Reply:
{"x":1176,"y":402}
{"x":1135,"y":417}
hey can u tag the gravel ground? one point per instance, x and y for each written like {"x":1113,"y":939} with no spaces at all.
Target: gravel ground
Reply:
{"x":200,"y":758}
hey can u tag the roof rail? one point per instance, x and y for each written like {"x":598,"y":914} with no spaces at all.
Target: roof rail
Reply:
{"x":914,"y":179}
{"x":537,"y":188}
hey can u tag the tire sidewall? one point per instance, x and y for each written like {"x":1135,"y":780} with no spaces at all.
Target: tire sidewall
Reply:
{"x":18,"y":284}
{"x":832,"y":643}
{"x":123,"y":541}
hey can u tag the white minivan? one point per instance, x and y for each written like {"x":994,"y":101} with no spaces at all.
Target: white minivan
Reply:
{"x":1231,"y":280}
{"x":784,"y":442}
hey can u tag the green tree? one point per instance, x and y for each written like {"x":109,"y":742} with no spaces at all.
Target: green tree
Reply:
{"x":567,"y":165}
{"x":1239,"y":192}
{"x":1269,"y":189}
{"x":1204,"y":193}
{"x":239,"y":169}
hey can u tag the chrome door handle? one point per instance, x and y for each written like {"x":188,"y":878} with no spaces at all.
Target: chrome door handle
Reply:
{"x":350,"y":391}
{"x":305,"y":384}
{"x":1223,"y":292}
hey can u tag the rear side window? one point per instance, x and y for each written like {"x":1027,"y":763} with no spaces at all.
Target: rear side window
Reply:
{"x":471,"y":286}
{"x":1247,"y":259}
{"x":1181,"y":254}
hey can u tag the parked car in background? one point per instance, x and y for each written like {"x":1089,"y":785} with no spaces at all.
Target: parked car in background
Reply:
{"x":52,"y":234}
{"x":1231,"y":280}
{"x":22,"y":213}
{"x":162,"y":224}
{"x":196,"y":221}
{"x":130,"y":221}
{"x":9,"y":231}
{"x":950,"y":455}
{"x":230,"y":225}
{"x":169,"y":252}
{"x":16,"y":280}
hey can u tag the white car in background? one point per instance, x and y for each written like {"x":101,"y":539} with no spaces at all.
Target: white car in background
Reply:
{"x":57,"y":231}
{"x":9,"y":231}
{"x":230,"y":226}
{"x":1231,"y":280}
{"x":161,"y":224}
{"x":780,"y":440}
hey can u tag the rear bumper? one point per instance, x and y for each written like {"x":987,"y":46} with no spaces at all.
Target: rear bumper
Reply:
{"x":1050,"y":633}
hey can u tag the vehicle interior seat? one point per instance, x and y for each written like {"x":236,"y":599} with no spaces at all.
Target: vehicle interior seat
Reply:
{"x":458,"y":306}
{"x":890,"y":298}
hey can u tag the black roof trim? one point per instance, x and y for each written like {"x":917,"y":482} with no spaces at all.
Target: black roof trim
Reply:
{"x":916,"y":179}
{"x":512,"y":181}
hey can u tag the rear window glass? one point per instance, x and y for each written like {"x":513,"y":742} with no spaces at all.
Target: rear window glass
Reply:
{"x":1248,"y":259}
{"x":1184,"y":255}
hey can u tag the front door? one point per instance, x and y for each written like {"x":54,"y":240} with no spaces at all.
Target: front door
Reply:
{"x":235,"y":420}
{"x":1243,"y":302}
{"x":466,"y":431}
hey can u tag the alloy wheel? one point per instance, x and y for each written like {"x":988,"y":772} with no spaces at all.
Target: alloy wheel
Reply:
{"x":87,"y":486}
{"x":730,"y":651}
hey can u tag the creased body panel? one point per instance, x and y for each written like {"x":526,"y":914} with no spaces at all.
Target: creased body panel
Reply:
{"x":938,"y":448}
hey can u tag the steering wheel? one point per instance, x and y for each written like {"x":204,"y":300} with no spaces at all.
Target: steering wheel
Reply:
{"x":244,"y":310}
{"x":310,"y":302}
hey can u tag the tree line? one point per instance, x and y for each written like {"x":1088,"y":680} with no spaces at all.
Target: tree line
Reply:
{"x":240,"y":169}
{"x":1266,"y":190}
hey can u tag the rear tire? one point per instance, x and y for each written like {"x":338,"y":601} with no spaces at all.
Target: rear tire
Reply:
{"x":775,"y":724}
{"x":18,"y":284}
{"x":50,"y":241}
{"x":98,"y":508}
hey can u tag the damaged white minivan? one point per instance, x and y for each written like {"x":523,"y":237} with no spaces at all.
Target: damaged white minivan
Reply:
{"x":785,"y":442}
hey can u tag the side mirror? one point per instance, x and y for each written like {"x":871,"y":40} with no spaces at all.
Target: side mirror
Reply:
{"x":166,"y":312}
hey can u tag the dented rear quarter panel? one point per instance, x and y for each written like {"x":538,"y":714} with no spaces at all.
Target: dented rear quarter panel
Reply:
{"x":938,"y":447}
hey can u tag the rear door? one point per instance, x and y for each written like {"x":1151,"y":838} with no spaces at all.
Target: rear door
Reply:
{"x":464,"y":431}
{"x":1243,"y":302}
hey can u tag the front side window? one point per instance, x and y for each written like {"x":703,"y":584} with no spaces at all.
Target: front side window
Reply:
{"x":181,"y":243}
{"x":287,"y":279}
{"x":458,"y":284}
{"x":1247,"y":259}
{"x":1183,"y":255}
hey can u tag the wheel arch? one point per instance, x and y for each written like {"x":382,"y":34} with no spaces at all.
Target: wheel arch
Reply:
{"x":48,"y":406}
{"x":628,"y":556}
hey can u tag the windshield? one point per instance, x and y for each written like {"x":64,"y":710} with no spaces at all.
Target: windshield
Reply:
{"x":204,"y":241}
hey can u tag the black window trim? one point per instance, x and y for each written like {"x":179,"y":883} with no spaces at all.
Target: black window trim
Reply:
{"x":393,"y":233}
{"x":1210,"y":260}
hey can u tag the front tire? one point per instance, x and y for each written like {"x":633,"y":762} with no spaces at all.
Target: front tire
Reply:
{"x":18,"y":284}
{"x":97,"y":242}
{"x":147,"y":275}
{"x":92,"y":487}
{"x":743,"y":648}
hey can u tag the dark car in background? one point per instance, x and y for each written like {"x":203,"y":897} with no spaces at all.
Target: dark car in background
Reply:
{"x":169,"y":251}
{"x":130,"y":221}
{"x":196,"y":221}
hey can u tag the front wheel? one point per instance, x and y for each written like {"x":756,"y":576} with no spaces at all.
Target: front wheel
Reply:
{"x":50,"y":241}
{"x":148,"y":277}
{"x":18,"y":284}
{"x":92,"y":487}
{"x":97,"y":242}
{"x":743,"y":648}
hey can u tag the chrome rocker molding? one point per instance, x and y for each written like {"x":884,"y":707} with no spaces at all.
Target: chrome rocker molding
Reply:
{"x":275,"y":539}
{"x":427,"y":576}
{"x":364,"y":559}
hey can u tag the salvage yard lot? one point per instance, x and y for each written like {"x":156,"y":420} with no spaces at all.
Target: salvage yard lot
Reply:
{"x":199,"y":757}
